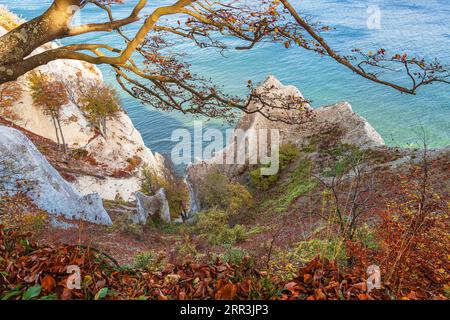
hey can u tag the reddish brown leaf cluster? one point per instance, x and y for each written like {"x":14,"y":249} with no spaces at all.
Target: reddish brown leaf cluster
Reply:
{"x":321,"y":279}
{"x":413,"y":234}
{"x":25,"y":265}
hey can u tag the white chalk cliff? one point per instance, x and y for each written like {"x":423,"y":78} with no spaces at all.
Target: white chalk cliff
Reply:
{"x":354,"y":130}
{"x":121,"y":143}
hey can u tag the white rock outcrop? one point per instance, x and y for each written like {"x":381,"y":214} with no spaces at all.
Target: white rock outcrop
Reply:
{"x":24,"y":168}
{"x":151,"y":206}
{"x":356,"y":129}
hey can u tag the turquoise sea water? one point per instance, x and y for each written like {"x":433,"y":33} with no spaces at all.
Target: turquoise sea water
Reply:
{"x":420,"y":26}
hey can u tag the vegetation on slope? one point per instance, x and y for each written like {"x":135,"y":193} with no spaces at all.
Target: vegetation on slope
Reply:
{"x":290,"y":244}
{"x":40,"y":272}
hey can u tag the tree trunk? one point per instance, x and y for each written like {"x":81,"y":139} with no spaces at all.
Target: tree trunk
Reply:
{"x":61,"y":133}
{"x":23,"y":40}
{"x":104,"y":126}
{"x":56,"y":130}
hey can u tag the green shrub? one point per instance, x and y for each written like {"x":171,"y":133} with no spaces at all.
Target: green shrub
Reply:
{"x":149,"y":181}
{"x":99,"y":103}
{"x":230,"y":235}
{"x":167,"y":227}
{"x":287,"y":152}
{"x":342,"y":157}
{"x":235,"y":255}
{"x":217,"y":192}
{"x":80,"y":153}
{"x":213,"y":189}
{"x":300,"y":183}
{"x":149,"y":261}
{"x":311,"y":146}
{"x":305,"y":251}
{"x":187,"y":250}
{"x":261,"y":182}
{"x":285,"y":263}
{"x":264,"y":288}
{"x":213,"y":226}
{"x":367,"y":236}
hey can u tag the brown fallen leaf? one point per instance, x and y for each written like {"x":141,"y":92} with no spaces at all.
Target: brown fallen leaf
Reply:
{"x":319,"y":295}
{"x":48,"y":283}
{"x":291,"y":286}
{"x":362,"y":286}
{"x":228,"y":292}
{"x":363,"y":296}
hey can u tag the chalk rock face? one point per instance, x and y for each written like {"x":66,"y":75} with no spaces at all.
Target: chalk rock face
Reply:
{"x":113,"y":151}
{"x":352,"y":128}
{"x":23,"y":165}
{"x":278,"y":96}
{"x":273,"y":90}
{"x":356,"y":129}
{"x":151,"y":206}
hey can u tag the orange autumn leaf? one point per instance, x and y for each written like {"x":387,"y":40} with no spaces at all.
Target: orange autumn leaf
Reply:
{"x":362,"y":286}
{"x":307,"y":278}
{"x":319,"y":295}
{"x":48,"y":283}
{"x":220,"y":283}
{"x":363,"y":296}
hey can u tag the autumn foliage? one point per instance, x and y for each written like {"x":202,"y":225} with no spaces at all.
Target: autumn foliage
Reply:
{"x":413,"y":235}
{"x":51,"y":95}
{"x":414,"y":232}
{"x":30,"y":271}
{"x":9,"y":94}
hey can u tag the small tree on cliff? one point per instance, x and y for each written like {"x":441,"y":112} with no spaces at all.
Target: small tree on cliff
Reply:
{"x":9,"y":93}
{"x":99,"y":103}
{"x":162,"y":79}
{"x":50,"y":95}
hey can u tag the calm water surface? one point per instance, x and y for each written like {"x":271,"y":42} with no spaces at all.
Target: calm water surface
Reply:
{"x":421,"y":27}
